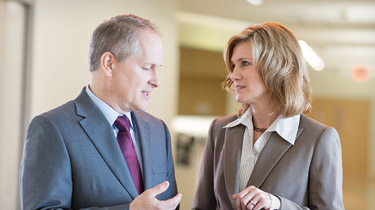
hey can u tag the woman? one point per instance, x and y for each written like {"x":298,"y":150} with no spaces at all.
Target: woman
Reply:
{"x":269,"y":155}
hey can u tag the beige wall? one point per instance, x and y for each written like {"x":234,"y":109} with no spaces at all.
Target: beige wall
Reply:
{"x":11,"y":51}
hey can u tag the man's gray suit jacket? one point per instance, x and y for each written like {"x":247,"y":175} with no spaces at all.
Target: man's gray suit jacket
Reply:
{"x":306,"y":175}
{"x":72,"y":159}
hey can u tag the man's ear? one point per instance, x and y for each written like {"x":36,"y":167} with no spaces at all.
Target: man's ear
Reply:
{"x":107,"y":62}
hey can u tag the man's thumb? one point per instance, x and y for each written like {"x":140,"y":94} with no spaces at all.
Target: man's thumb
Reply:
{"x":159,"y":188}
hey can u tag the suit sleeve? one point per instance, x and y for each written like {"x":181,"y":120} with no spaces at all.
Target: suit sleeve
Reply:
{"x":45,"y":169}
{"x":45,"y":172}
{"x":172,"y":190}
{"x":204,"y":196}
{"x":325,"y":180}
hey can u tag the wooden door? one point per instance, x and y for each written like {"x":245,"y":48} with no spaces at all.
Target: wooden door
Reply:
{"x":351,"y":118}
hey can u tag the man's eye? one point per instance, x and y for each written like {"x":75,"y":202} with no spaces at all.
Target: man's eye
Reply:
{"x":147,"y":68}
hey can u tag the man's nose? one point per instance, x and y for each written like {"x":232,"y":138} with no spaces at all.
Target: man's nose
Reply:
{"x":155,"y":79}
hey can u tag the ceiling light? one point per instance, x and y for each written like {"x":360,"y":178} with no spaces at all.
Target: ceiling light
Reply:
{"x":255,"y":2}
{"x":311,"y":57}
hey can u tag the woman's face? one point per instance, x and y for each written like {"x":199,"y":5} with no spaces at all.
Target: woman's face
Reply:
{"x":249,"y":86}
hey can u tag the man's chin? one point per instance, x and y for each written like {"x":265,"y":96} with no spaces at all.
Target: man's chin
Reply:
{"x":141,"y":108}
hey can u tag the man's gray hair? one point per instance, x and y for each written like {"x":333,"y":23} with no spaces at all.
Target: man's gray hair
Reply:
{"x":119,"y":35}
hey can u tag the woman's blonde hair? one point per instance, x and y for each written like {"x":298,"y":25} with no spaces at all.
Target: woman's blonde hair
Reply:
{"x":278,"y":58}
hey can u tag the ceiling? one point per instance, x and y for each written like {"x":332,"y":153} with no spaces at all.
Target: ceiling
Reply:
{"x":341,"y":32}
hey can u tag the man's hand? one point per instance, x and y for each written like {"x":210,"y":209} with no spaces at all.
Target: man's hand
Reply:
{"x":147,"y":199}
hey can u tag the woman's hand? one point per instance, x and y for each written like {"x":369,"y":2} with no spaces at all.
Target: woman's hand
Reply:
{"x":252,"y":198}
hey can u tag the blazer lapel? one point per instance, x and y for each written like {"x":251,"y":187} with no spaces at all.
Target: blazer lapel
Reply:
{"x":232,"y":159}
{"x":275,"y":148}
{"x":101,"y":135}
{"x":143,"y":130}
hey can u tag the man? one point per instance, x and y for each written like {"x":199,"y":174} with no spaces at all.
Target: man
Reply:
{"x":101,"y":150}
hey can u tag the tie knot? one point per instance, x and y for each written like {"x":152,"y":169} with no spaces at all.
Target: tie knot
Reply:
{"x":122,"y":123}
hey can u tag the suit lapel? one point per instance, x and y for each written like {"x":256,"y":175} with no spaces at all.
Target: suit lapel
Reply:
{"x":101,"y":135}
{"x":232,"y":159}
{"x":275,"y":148}
{"x":143,"y":130}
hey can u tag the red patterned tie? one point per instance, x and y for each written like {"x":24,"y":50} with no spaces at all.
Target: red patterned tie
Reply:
{"x":127,"y":148}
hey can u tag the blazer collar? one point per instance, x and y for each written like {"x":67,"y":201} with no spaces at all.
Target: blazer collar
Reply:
{"x":100,"y":133}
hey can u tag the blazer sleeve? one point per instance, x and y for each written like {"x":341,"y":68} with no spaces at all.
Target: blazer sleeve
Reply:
{"x":325,"y":178}
{"x":204,"y":196}
{"x":45,"y":172}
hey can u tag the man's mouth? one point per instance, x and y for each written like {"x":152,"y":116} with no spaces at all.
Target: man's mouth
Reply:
{"x":146,"y":93}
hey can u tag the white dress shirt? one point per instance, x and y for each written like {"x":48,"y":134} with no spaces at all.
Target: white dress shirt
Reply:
{"x":286,"y":127}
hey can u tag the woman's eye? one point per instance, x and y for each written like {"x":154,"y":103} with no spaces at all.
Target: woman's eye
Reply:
{"x":232,"y":66}
{"x":245,"y":63}
{"x":147,"y":68}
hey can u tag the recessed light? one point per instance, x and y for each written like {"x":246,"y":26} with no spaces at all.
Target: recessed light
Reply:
{"x":255,"y":2}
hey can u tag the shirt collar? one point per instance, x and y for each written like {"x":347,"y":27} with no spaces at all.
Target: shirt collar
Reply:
{"x":109,"y":113}
{"x":286,"y":127}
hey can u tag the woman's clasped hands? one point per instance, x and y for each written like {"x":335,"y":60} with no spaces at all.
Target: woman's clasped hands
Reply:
{"x":252,"y":198}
